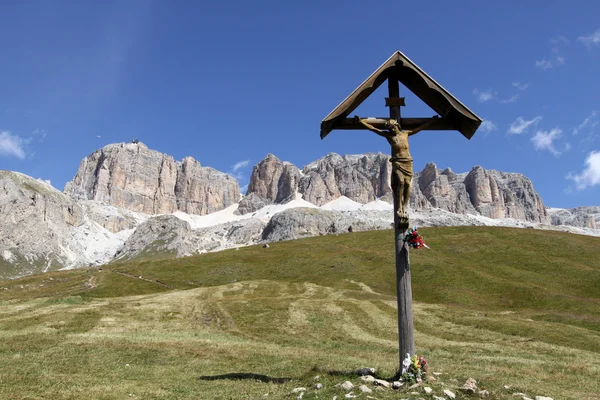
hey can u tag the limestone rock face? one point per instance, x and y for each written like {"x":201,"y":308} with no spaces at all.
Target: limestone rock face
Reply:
{"x":582,"y":217}
{"x":445,"y":190}
{"x":301,"y":222}
{"x":362,"y":178}
{"x":42,"y":229}
{"x":521,"y":201}
{"x":366,"y":177}
{"x":133,"y":177}
{"x":110,"y":217}
{"x":484,"y":193}
{"x":159,"y":237}
{"x":490,"y":193}
{"x":166,"y":236}
{"x":250,"y":203}
{"x":273,"y":180}
{"x":222,"y":236}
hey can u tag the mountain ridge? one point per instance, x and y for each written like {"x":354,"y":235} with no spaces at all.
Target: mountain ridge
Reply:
{"x":97,"y":218}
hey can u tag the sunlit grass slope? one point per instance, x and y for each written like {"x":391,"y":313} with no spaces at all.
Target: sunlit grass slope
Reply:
{"x":516,"y":307}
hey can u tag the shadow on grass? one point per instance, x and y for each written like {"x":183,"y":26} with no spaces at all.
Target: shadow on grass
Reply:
{"x":376,"y":375}
{"x":235,"y":376}
{"x":246,"y":376}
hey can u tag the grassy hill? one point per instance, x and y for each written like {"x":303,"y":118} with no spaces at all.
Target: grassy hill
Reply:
{"x":517,"y":307}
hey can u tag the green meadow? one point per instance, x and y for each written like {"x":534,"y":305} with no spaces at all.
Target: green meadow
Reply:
{"x":507,"y":307}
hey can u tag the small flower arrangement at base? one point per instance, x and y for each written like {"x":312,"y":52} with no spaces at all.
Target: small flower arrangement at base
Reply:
{"x":415,"y":240}
{"x":414,"y":369}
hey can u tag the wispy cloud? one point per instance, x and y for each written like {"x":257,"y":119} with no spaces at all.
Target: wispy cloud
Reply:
{"x":485,"y":95}
{"x":556,"y":45}
{"x":557,"y":42}
{"x":544,"y":64}
{"x":588,"y":124}
{"x":239,"y":165}
{"x":40,"y":134}
{"x":593,"y":39}
{"x":520,"y":86}
{"x":487,"y":126}
{"x":520,"y":125}
{"x":511,"y":99}
{"x":544,"y":140}
{"x":238,"y":173}
{"x":12,"y":145}
{"x":590,"y":176}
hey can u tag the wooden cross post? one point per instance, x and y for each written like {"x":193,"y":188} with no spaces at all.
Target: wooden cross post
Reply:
{"x":456,"y":116}
{"x":406,"y":338}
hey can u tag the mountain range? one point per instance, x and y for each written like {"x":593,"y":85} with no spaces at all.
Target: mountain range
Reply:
{"x":128,"y":201}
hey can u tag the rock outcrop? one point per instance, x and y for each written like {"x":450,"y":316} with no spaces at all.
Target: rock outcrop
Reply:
{"x":440,"y":189}
{"x":166,"y":236}
{"x":159,"y":237}
{"x":133,"y":177}
{"x":582,"y":217}
{"x":42,"y":229}
{"x":361,"y":178}
{"x":250,"y":203}
{"x":112,"y":218}
{"x":366,"y":177}
{"x":297,"y":223}
{"x":272,"y":181}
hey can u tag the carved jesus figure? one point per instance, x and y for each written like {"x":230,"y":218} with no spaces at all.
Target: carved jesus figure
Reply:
{"x":402,"y":162}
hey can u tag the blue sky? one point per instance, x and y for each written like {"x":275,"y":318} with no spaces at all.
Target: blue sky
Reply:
{"x":229,"y":82}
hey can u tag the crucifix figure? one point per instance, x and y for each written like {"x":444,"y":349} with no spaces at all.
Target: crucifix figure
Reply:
{"x":402,"y":162}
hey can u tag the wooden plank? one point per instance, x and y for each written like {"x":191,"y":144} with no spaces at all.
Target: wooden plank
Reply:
{"x":406,"y":340}
{"x":406,"y":123}
{"x":394,"y":101}
{"x":394,"y":93}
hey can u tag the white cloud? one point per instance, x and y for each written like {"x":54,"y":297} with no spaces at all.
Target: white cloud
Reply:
{"x":547,"y":64}
{"x":590,"y":176}
{"x":244,"y":188}
{"x":12,"y":145}
{"x":593,"y":39}
{"x":590,"y":122}
{"x":543,"y":140}
{"x":236,"y":171}
{"x":520,"y":125}
{"x":544,"y":64}
{"x":556,"y":44}
{"x":487,"y":126}
{"x":239,"y":165}
{"x":99,"y":137}
{"x":511,"y":99}
{"x":483,"y":96}
{"x":567,"y":146}
{"x":520,"y":86}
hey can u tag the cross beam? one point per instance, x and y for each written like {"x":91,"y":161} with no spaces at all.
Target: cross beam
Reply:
{"x":439,"y":124}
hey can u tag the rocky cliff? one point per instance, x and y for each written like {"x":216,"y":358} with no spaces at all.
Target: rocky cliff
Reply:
{"x":108,"y":212}
{"x":42,"y":229}
{"x":366,"y":177}
{"x":583,"y":217}
{"x":133,"y":177}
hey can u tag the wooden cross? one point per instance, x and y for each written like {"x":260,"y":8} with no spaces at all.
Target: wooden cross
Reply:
{"x":455,"y":116}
